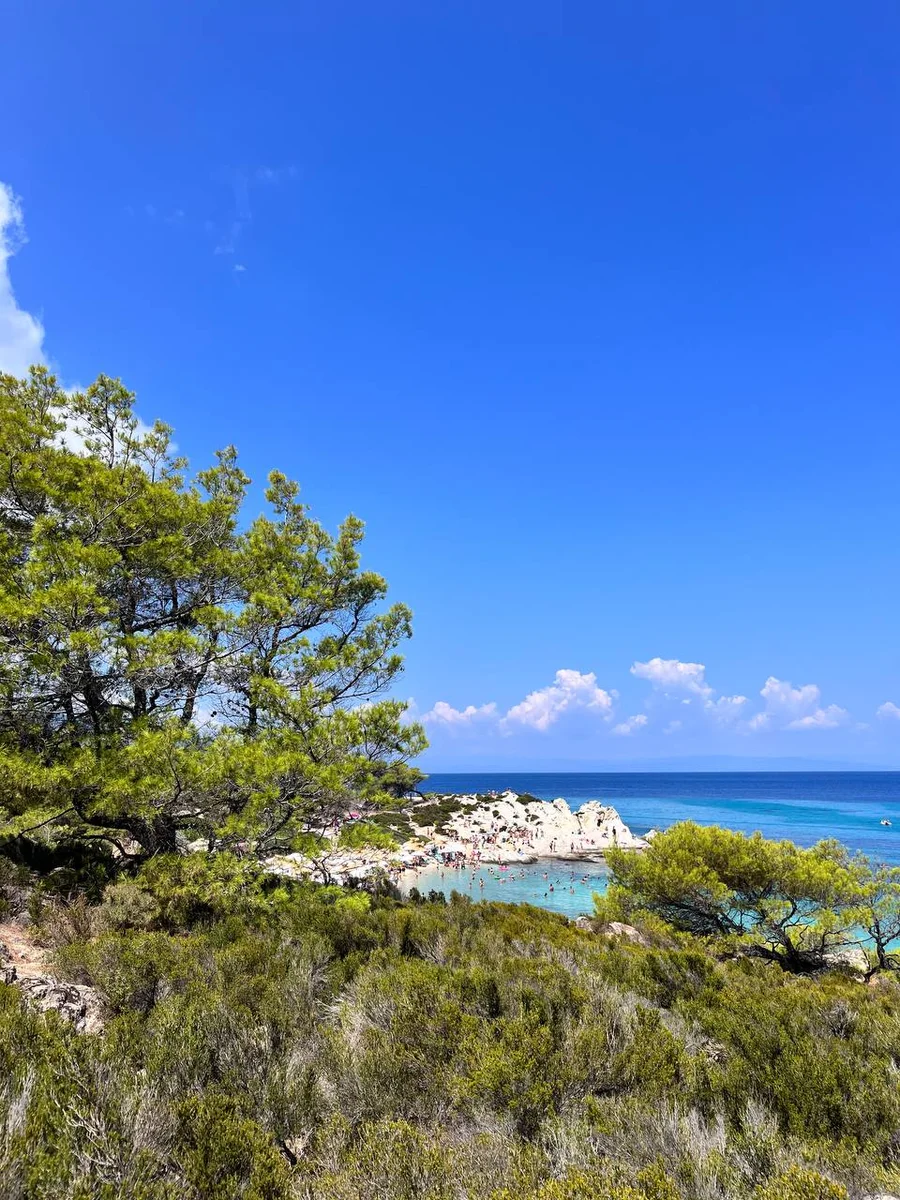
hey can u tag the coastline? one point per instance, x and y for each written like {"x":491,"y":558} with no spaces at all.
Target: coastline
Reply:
{"x":471,"y":832}
{"x":564,"y":887}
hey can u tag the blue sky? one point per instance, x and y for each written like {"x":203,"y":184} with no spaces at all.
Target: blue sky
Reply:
{"x":590,"y":311}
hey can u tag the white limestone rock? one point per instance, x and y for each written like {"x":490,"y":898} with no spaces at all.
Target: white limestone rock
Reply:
{"x":507,"y":829}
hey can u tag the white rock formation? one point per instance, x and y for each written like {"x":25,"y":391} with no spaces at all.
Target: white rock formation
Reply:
{"x":508,"y":829}
{"x":503,"y":829}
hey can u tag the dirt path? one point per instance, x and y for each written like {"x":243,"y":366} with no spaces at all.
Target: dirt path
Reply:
{"x":25,"y":955}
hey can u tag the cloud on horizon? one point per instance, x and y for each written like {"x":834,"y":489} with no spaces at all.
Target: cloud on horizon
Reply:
{"x":627,"y":727}
{"x":570,"y":691}
{"x":681,"y":700}
{"x":787,"y":707}
{"x":446,"y":714}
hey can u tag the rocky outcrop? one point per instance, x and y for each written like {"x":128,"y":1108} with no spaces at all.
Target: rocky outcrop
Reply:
{"x":501,"y":829}
{"x":852,"y":959}
{"x":507,"y":830}
{"x":342,"y":867}
{"x":75,"y":1002}
{"x":628,"y":933}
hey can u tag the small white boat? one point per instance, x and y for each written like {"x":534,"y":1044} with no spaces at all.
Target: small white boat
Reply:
{"x":885,"y":821}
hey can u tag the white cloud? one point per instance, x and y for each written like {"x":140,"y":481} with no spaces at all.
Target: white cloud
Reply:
{"x":684,"y":700}
{"x":822,"y":718}
{"x":781,"y":696}
{"x":785,"y":706}
{"x":888,"y":711}
{"x":457,"y":718}
{"x":670,"y":674}
{"x":630,"y":724}
{"x":790,"y":707}
{"x":571,"y":690}
{"x":727,"y":709}
{"x":21,"y":334}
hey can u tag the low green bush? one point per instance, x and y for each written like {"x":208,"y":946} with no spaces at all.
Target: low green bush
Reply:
{"x":362,"y":834}
{"x":800,"y":1184}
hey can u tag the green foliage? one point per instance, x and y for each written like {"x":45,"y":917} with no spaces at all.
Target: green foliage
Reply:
{"x":577,"y":1185}
{"x":226,"y":1154}
{"x":793,"y":905}
{"x":166,"y":670}
{"x":651,"y":1183}
{"x":799,"y":1184}
{"x":879,"y":910}
{"x":390,"y":1159}
{"x":275,"y":1039}
{"x":437,"y":811}
{"x":397,"y":824}
{"x":359,"y":834}
{"x":193,"y":889}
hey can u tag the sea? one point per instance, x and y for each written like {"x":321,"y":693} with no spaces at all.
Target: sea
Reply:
{"x":804,"y":806}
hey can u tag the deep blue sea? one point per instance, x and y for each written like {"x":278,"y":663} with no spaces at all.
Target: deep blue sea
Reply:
{"x":802,"y":806}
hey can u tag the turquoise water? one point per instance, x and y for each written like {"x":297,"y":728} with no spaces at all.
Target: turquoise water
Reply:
{"x":560,"y":886}
{"x":802,"y":806}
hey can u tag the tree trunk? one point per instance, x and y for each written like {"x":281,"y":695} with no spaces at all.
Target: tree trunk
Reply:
{"x":155,"y":836}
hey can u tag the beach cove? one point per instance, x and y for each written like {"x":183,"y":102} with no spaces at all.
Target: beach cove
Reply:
{"x":563,"y":887}
{"x":540,"y":838}
{"x":490,"y":846}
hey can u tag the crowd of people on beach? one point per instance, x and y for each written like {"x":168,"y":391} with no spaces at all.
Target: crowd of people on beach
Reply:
{"x":502,"y":874}
{"x":474,"y":851}
{"x":517,"y":838}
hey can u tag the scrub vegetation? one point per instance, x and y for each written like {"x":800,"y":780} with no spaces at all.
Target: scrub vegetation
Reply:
{"x":264,"y":1038}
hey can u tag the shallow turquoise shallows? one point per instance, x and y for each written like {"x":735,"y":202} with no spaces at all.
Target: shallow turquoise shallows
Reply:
{"x":563,"y":887}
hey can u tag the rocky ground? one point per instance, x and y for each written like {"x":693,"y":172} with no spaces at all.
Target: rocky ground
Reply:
{"x":22,"y":963}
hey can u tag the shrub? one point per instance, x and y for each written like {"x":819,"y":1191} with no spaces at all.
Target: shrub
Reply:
{"x":578,"y":1185}
{"x":356,"y":1045}
{"x":366,"y":834}
{"x":224,"y":1154}
{"x":797,"y":1183}
{"x":129,"y":905}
